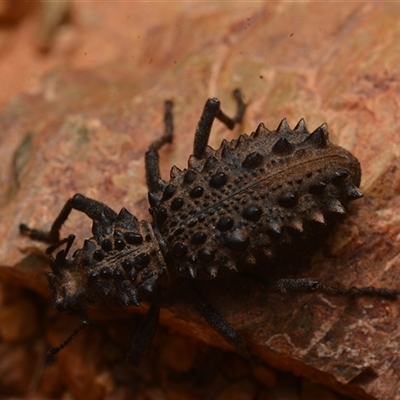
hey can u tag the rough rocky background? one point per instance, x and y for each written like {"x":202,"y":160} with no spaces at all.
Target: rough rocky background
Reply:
{"x":82,"y":91}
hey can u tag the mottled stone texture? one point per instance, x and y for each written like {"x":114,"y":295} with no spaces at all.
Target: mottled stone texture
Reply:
{"x":86,"y":131}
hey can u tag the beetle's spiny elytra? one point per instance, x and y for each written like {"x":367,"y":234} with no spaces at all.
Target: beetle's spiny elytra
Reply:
{"x":231,"y":209}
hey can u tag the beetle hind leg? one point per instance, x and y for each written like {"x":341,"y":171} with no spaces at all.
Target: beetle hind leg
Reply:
{"x":310,"y":285}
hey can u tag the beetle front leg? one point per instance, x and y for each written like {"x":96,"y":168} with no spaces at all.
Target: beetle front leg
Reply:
{"x":94,"y":209}
{"x":53,"y":235}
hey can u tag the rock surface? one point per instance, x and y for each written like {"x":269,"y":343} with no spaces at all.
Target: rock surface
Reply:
{"x":87,"y":130}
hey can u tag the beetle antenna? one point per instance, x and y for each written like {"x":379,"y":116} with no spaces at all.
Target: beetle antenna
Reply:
{"x":84,"y":323}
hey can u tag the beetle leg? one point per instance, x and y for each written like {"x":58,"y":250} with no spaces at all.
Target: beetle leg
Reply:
{"x":94,"y":209}
{"x":219,"y":324}
{"x":152,"y":161}
{"x":53,"y":235}
{"x":211,"y":111}
{"x":144,"y":335}
{"x":310,"y":285}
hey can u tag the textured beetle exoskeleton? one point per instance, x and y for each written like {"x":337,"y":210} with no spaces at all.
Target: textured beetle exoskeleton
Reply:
{"x":232,"y":209}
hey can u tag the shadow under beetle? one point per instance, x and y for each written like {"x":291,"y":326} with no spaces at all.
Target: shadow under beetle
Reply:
{"x":232,"y":209}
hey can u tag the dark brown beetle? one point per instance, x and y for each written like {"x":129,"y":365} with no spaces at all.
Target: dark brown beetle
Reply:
{"x":232,"y":209}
